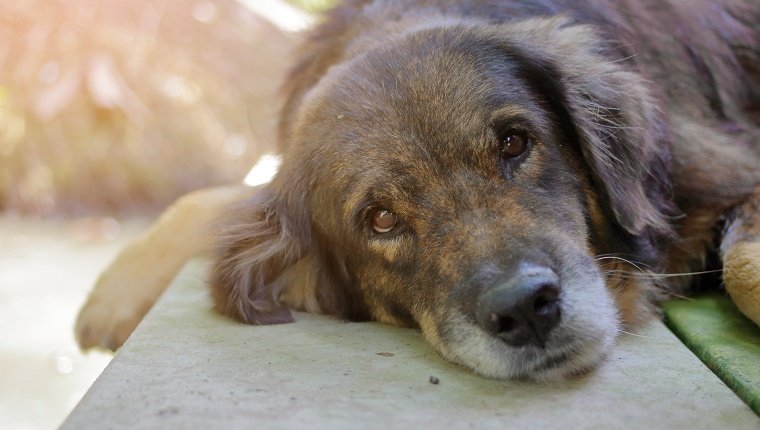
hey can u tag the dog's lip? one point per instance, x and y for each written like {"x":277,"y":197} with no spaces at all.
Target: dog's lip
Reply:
{"x":550,"y":361}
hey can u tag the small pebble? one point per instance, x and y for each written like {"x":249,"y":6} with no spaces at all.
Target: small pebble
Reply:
{"x":434,"y":380}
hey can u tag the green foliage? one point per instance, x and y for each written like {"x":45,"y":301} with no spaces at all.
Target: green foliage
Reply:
{"x":315,"y":5}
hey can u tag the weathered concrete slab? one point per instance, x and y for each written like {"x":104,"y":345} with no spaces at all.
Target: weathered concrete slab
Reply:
{"x":186,"y":367}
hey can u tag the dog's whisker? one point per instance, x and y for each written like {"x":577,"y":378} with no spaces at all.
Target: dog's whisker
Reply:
{"x":673,"y":275}
{"x":675,"y":295}
{"x":650,"y":275}
{"x":624,"y":260}
{"x":622,"y":60}
{"x":618,"y":257}
{"x":613,"y":254}
{"x":676,"y":217}
{"x":634,"y":334}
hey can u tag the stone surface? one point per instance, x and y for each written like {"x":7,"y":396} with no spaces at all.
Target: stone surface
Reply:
{"x":724,"y":339}
{"x":186,"y":367}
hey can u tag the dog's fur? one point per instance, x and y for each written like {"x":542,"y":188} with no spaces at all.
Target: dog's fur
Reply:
{"x":643,"y":122}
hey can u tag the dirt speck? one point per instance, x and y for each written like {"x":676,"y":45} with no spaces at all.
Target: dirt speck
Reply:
{"x":171,"y":410}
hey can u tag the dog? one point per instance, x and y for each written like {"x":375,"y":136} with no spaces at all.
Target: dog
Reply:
{"x":518,"y":179}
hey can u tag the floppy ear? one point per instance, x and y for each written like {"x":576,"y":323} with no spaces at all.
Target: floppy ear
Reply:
{"x":614,"y":118}
{"x":260,"y":248}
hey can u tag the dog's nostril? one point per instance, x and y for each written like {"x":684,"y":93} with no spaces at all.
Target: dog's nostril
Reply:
{"x":547,"y":309}
{"x":546,"y":300}
{"x":503,"y":324}
{"x":523,"y":310}
{"x":540,"y":304}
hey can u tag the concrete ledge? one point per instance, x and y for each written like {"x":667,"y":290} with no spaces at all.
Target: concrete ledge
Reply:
{"x":186,"y":367}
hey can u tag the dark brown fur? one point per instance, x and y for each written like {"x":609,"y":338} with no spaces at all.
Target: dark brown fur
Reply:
{"x":644,"y":118}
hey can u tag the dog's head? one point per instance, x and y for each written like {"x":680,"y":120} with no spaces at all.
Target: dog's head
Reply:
{"x":460,"y":179}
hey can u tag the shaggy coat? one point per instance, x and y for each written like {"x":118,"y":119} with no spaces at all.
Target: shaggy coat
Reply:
{"x":638,"y":126}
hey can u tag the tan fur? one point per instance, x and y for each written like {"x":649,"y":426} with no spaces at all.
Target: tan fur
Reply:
{"x":302,"y":293}
{"x":136,"y":278}
{"x":741,"y":257}
{"x":741,"y":275}
{"x":389,"y":249}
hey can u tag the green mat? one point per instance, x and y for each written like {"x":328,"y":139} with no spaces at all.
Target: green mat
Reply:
{"x":726,"y":341}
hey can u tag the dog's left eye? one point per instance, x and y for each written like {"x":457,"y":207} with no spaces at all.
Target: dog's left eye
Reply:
{"x":514,"y":144}
{"x":383,"y":220}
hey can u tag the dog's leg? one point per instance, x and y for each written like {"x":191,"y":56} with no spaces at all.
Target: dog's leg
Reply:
{"x":127,"y":289}
{"x":740,"y":251}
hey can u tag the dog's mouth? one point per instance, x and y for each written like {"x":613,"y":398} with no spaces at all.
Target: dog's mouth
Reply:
{"x":551,"y":361}
{"x":557,"y":360}
{"x":565,"y":361}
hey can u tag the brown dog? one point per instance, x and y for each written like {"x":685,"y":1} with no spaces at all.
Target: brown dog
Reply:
{"x":508,"y":176}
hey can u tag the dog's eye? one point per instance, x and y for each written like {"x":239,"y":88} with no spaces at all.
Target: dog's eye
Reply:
{"x":383,"y":220}
{"x":514,"y":144}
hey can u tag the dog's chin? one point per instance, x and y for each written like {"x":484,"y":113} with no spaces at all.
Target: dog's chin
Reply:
{"x":559,"y":359}
{"x":563,"y":362}
{"x":581,"y":341}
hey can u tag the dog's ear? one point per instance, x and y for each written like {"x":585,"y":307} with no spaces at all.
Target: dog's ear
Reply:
{"x":260,"y":248}
{"x":611,"y":114}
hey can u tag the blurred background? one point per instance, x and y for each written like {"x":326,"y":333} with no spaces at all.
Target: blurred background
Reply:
{"x":110,"y":110}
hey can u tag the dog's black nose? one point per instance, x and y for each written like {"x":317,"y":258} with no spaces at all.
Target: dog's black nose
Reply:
{"x":524,"y":309}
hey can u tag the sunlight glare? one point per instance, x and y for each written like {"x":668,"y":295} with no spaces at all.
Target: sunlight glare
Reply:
{"x":263,"y":171}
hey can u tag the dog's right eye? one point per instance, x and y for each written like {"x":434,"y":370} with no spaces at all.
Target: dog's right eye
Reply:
{"x":514,"y":144}
{"x":383,"y":220}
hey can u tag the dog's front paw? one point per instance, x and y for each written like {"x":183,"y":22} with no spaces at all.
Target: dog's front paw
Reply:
{"x":741,"y":275}
{"x":122,"y":296}
{"x":106,"y":322}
